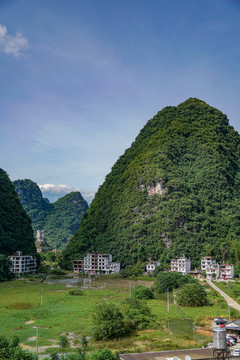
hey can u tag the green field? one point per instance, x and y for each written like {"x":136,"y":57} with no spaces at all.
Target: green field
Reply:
{"x":20,"y":303}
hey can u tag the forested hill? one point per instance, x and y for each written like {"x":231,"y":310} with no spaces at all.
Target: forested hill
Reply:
{"x":175,"y":190}
{"x":59,"y":220}
{"x":15,"y":226}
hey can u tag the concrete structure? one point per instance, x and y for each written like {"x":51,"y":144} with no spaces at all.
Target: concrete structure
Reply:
{"x":23,"y":264}
{"x":95,"y":263}
{"x":227,"y":271}
{"x":212,"y":272}
{"x":171,"y":354}
{"x":151,"y":265}
{"x":182,"y":265}
{"x":208,"y":262}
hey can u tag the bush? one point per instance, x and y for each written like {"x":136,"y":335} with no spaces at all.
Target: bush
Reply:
{"x":63,"y":342}
{"x":142,"y":292}
{"x":137,"y":314}
{"x":104,"y":355}
{"x":76,"y":292}
{"x":192,"y":295}
{"x":13,"y":351}
{"x":108,"y":322}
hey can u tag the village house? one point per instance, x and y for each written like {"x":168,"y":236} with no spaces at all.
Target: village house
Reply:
{"x":151,"y":265}
{"x":95,"y":263}
{"x":182,"y":265}
{"x":208,"y":262}
{"x":23,"y":264}
{"x":227,"y":271}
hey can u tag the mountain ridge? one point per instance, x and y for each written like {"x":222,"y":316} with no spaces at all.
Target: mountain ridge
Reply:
{"x":191,"y":154}
{"x":59,"y":220}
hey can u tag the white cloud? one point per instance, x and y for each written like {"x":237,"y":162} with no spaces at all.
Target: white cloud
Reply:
{"x":53,"y":192}
{"x":10,"y":44}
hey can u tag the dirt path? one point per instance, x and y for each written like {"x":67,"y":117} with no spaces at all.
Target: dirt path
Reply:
{"x":229,"y":300}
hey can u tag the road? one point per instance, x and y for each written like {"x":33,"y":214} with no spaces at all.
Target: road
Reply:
{"x":232,"y":303}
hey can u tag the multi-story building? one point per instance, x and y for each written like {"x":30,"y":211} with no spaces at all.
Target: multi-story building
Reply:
{"x":95,"y":263}
{"x":151,"y":265}
{"x":182,"y":265}
{"x":208,"y":262}
{"x":23,"y":264}
{"x":227,"y":271}
{"x":212,"y":271}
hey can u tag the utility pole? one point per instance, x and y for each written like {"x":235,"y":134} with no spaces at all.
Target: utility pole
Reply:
{"x":228,"y":313}
{"x":41,"y":296}
{"x":37,"y":341}
{"x":167,"y":300}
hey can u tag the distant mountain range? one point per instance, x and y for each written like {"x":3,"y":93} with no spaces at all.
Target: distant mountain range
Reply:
{"x":175,"y":190}
{"x":59,"y":220}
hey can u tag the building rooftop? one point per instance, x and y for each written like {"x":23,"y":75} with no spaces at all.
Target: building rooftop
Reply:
{"x":163,"y":355}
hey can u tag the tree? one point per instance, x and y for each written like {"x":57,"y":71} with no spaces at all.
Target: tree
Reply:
{"x":170,"y":281}
{"x":5,"y":273}
{"x":108,"y":322}
{"x":192,"y":294}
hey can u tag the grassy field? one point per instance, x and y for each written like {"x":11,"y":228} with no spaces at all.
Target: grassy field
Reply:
{"x":21,"y":311}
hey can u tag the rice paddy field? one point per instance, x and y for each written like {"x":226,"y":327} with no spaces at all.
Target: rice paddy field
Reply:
{"x":28,"y":305}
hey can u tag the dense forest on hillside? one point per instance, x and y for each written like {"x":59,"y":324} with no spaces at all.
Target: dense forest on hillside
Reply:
{"x":175,"y":190}
{"x":15,"y":226}
{"x":59,"y":220}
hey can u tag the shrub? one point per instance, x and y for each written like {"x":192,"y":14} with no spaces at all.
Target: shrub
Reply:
{"x":142,"y":292}
{"x":63,"y":342}
{"x":108,"y":322}
{"x":192,"y":295}
{"x":137,"y":314}
{"x":104,"y":355}
{"x":76,"y":292}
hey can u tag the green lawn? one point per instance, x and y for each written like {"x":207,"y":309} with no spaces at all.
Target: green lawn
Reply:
{"x":20,"y":301}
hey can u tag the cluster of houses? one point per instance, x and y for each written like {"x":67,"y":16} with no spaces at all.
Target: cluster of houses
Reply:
{"x":97,"y":263}
{"x":208,"y":264}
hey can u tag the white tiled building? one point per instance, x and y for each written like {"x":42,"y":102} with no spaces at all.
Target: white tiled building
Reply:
{"x":151,"y":265}
{"x":23,"y":264}
{"x":95,"y":263}
{"x":227,"y":271}
{"x":182,"y":265}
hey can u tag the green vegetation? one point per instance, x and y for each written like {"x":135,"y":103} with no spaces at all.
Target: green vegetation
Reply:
{"x":170,"y":281}
{"x":15,"y":226}
{"x":59,"y":220}
{"x":189,"y":156}
{"x":192,"y":294}
{"x":5,"y":273}
{"x":142,"y":293}
{"x":108,"y":322}
{"x":11,"y":350}
{"x":62,"y":313}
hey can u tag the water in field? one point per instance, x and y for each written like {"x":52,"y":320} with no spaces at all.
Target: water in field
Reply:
{"x":68,"y":281}
{"x":185,"y":328}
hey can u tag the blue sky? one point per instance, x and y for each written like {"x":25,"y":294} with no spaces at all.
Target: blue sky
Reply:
{"x":79,"y":79}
